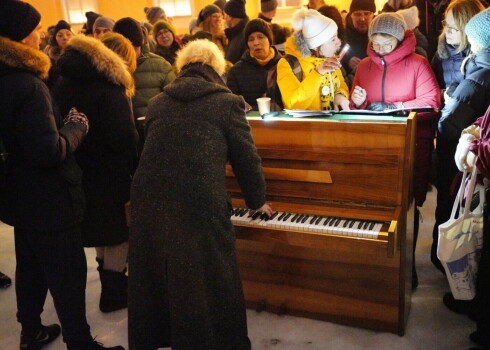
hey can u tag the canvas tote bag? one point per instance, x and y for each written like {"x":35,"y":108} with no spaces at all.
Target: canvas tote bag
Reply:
{"x":461,"y":240}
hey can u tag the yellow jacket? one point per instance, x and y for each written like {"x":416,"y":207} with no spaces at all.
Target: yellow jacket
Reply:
{"x":307,"y":93}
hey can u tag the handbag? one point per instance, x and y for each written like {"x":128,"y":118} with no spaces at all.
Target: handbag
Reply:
{"x":461,"y":240}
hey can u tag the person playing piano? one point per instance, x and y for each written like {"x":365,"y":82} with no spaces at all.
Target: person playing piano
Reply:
{"x":184,"y":287}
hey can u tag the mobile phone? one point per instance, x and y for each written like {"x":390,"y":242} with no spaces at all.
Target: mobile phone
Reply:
{"x":343,"y":51}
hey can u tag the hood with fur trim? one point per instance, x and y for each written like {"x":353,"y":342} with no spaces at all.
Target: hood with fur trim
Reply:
{"x":19,"y":56}
{"x":87,"y":59}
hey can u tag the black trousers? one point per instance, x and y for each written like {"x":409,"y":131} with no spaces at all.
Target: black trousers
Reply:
{"x":53,"y":260}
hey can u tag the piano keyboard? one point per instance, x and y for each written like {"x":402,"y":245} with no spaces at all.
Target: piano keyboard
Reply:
{"x":307,"y":223}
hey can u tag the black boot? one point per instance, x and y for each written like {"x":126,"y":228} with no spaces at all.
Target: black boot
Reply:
{"x":5,"y":281}
{"x":114,"y":295}
{"x":44,"y":336}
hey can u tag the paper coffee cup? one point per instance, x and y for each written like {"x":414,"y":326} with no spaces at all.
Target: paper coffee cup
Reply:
{"x":264,"y":104}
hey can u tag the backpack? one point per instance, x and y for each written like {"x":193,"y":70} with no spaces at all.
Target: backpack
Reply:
{"x":273,"y":90}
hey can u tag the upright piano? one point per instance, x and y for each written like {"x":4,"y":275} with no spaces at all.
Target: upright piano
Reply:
{"x":340,"y":246}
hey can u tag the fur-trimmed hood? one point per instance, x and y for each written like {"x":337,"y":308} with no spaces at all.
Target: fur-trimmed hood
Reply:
{"x":86,"y":59}
{"x":19,"y":56}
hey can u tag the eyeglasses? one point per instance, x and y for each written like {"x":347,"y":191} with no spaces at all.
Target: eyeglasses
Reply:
{"x":386,"y":47}
{"x":448,"y":28}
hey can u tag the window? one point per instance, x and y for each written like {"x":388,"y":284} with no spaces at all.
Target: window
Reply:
{"x":75,"y":9}
{"x":289,"y":3}
{"x":175,"y":8}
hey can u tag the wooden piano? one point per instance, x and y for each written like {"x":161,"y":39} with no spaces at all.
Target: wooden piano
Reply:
{"x":350,"y":170}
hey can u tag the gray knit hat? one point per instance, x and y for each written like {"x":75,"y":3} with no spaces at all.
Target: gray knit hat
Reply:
{"x":104,"y":22}
{"x":478,"y":28}
{"x":388,"y":23}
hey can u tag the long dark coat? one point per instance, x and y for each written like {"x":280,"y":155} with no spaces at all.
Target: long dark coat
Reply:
{"x":184,"y":287}
{"x":43,"y":187}
{"x":96,"y":80}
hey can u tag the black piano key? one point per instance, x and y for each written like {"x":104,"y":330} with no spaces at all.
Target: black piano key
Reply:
{"x":274,"y":215}
{"x":264,"y":216}
{"x":372,"y":225}
{"x":256,"y":215}
{"x":286,"y":217}
{"x":317,"y":221}
{"x":294,"y":218}
{"x":313,"y":219}
{"x":359,"y":226}
{"x":327,"y":221}
{"x":281,"y":216}
{"x":351,"y":224}
{"x":306,"y":217}
{"x":366,"y":224}
{"x":298,"y":220}
{"x":346,"y":222}
{"x":243,"y":212}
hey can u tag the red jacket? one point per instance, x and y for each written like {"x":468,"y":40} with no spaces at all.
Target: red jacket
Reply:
{"x":404,"y":76}
{"x":400,"y":76}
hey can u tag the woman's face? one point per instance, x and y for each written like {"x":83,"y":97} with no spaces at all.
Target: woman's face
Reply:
{"x":453,"y":35}
{"x":259,"y":45}
{"x":62,"y":37}
{"x":165,"y":37}
{"x":217,"y":20}
{"x":383,"y":45}
{"x":330,"y":47}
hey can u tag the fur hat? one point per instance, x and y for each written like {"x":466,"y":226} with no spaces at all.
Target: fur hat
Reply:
{"x":89,"y":25}
{"x":411,"y":17}
{"x":201,"y":51}
{"x":17,"y":19}
{"x":154,"y":14}
{"x":163,"y":25}
{"x":104,"y":22}
{"x":314,"y":27}
{"x":261,"y":26}
{"x":130,"y":29}
{"x":362,"y":5}
{"x":268,"y":5}
{"x":235,"y":8}
{"x":388,"y":23}
{"x":478,"y":28}
{"x":206,"y":12}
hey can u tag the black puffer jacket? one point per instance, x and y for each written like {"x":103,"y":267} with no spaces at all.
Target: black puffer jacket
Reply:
{"x":43,"y":189}
{"x":249,"y":79}
{"x":236,"y":41}
{"x":96,"y":80}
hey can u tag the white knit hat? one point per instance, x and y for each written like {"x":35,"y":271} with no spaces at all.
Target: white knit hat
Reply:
{"x":411,"y":17}
{"x":315,"y":27}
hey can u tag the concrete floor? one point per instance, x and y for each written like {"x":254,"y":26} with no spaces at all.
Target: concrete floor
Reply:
{"x":430,"y":326}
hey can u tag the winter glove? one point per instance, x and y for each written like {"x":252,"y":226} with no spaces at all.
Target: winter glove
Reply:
{"x":462,"y":151}
{"x":380,"y":106}
{"x":473,"y":130}
{"x":75,"y":129}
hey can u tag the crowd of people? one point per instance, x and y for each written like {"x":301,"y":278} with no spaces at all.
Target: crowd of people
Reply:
{"x":81,"y":172}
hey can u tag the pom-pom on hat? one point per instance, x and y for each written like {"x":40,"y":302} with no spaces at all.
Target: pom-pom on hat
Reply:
{"x":411,"y":17}
{"x":17,"y":19}
{"x":261,"y":26}
{"x":154,"y":14}
{"x":206,"y":12}
{"x":315,"y":27}
{"x":235,"y":8}
{"x":268,"y":5}
{"x":163,"y":25}
{"x":362,"y":5}
{"x":131,"y":30}
{"x":388,"y":23}
{"x":478,"y":28}
{"x":104,"y":22}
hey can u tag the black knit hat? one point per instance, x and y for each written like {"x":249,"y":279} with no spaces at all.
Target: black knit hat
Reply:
{"x":206,"y":12}
{"x":268,"y":5}
{"x":91,"y":17}
{"x":362,"y":5}
{"x":130,"y":29}
{"x":261,"y":26}
{"x":220,"y":4}
{"x":235,"y":8}
{"x":61,"y":25}
{"x":17,"y":19}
